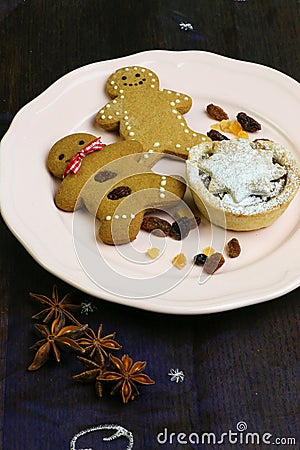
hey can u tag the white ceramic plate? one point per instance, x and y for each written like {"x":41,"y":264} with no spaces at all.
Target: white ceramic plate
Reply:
{"x":269,"y":265}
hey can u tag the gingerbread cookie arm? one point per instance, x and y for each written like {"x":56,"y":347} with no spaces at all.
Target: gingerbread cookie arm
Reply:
{"x":181,"y":102}
{"x":109,"y":115}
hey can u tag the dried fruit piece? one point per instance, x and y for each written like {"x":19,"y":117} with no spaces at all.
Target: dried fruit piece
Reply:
{"x":200,"y":259}
{"x":243,"y":134}
{"x":153,"y":224}
{"x":152,"y":252}
{"x":208,"y":251}
{"x":215,"y":126}
{"x":180,"y":228}
{"x":235,"y":127}
{"x":248,"y":123}
{"x":214,"y":262}
{"x":225,"y":125}
{"x":233,"y":248}
{"x":216,"y":112}
{"x":104,"y":175}
{"x":119,"y":192}
{"x":215,"y":135}
{"x":179,"y":261}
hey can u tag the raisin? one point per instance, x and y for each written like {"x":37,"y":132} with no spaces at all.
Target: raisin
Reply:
{"x":180,"y":228}
{"x":216,"y":112}
{"x":214,"y":262}
{"x":153,"y":223}
{"x":104,"y":175}
{"x":215,"y":135}
{"x":119,"y":192}
{"x":248,"y":123}
{"x":200,"y":259}
{"x":233,"y":248}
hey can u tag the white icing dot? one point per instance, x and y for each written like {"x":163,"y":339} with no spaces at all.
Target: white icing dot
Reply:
{"x":117,"y":113}
{"x":172,"y":103}
{"x":126,"y":117}
{"x":126,"y":123}
{"x":112,"y":82}
{"x":108,"y":105}
{"x":194,"y":134}
{"x":163,"y":177}
{"x":163,"y":182}
{"x":143,"y":70}
{"x":125,"y":112}
{"x":162,"y":189}
{"x":116,"y":216}
{"x":146,"y":156}
{"x":174,"y":111}
{"x":179,"y":116}
{"x":186,"y":98}
{"x":150,"y":74}
{"x":177,"y":145}
{"x":109,"y":117}
{"x":114,"y":101}
{"x":101,"y":111}
{"x":188,"y":149}
{"x":178,"y":94}
{"x":186,"y":130}
{"x":169,"y":92}
{"x":162,"y":195}
{"x":103,"y":116}
{"x":153,"y":79}
{"x":108,"y":218}
{"x":204,"y":138}
{"x":131,"y":133}
{"x":150,"y":151}
{"x":160,"y":89}
{"x":177,"y":100}
{"x":121,"y":91}
{"x":152,"y":86}
{"x":115,"y":87}
{"x":135,"y":68}
{"x":182,"y":124}
{"x":121,"y":96}
{"x":129,"y":127}
{"x":124,"y":216}
{"x":156,"y":144}
{"x":126,"y":68}
{"x":132,"y":216}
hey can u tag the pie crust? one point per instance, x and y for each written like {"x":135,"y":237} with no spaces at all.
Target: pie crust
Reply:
{"x":242,"y":185}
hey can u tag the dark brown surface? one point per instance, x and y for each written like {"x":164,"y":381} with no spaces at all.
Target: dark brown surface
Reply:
{"x":248,"y":359}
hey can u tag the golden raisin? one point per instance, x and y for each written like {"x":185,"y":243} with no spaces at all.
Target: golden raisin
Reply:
{"x":216,"y":112}
{"x":233,"y":248}
{"x":213,"y":263}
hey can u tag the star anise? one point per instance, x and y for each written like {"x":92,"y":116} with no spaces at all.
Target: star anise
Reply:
{"x":58,"y":335}
{"x":55,"y":307}
{"x":92,"y":374}
{"x":96,"y":345}
{"x":126,"y":375}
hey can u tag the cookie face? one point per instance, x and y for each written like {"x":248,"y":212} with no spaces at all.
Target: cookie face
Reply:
{"x":63,"y":150}
{"x":144,"y":112}
{"x":114,"y":186}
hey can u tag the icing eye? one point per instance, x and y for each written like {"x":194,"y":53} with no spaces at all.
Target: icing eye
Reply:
{"x":130,"y":84}
{"x":144,"y":79}
{"x":137,"y":75}
{"x":140,"y":82}
{"x":61,"y":156}
{"x":81,"y":142}
{"x":124,"y":78}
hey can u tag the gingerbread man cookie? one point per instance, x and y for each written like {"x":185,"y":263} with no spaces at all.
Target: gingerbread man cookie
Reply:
{"x":144,"y":112}
{"x":111,"y":183}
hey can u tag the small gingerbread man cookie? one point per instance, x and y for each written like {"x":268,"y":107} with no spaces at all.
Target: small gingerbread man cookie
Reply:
{"x":144,"y":112}
{"x":111,"y":183}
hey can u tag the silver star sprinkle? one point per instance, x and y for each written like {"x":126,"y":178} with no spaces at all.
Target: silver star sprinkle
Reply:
{"x":176,"y":375}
